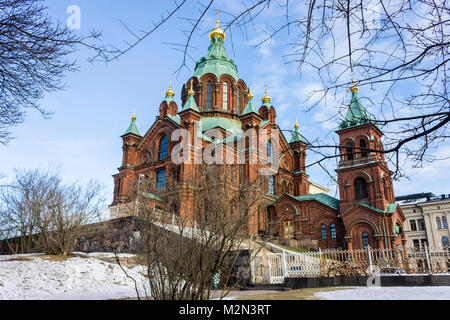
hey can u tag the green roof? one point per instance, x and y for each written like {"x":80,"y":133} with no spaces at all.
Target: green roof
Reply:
{"x":356,"y":114}
{"x":264,"y":122}
{"x":250,"y":108}
{"x":323,"y":198}
{"x":168,"y":98}
{"x":216,"y":61}
{"x":150,"y":195}
{"x":266,"y":103}
{"x":133,"y":129}
{"x":296,"y":137}
{"x":231,"y":125}
{"x":390,"y":207}
{"x":175,"y":119}
{"x":190,"y":104}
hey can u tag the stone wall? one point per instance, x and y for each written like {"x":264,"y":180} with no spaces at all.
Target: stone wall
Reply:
{"x":122,"y":235}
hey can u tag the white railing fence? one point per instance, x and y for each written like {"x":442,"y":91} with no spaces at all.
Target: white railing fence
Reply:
{"x":286,"y":263}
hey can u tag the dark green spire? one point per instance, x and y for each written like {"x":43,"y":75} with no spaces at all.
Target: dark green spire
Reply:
{"x":250,"y":108}
{"x":356,"y":114}
{"x":133,"y":129}
{"x":296,"y":136}
{"x":190,"y":103}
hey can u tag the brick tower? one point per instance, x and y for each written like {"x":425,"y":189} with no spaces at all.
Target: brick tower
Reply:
{"x":367,"y":202}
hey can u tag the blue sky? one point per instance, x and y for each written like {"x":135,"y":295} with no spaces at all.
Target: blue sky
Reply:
{"x":83,"y":135}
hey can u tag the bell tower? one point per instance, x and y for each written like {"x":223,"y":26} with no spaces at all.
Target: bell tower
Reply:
{"x":363,"y":174}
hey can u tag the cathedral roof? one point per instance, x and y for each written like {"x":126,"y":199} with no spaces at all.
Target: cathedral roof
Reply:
{"x":323,"y":198}
{"x":250,"y":106}
{"x":190,"y":103}
{"x":216,"y":60}
{"x":296,"y":136}
{"x":132,"y":128}
{"x":231,"y":125}
{"x":356,"y":113}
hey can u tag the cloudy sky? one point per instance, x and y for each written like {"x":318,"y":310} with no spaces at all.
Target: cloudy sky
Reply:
{"x":90,"y":115}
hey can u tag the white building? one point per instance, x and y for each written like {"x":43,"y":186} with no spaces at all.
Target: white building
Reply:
{"x":427,"y":219}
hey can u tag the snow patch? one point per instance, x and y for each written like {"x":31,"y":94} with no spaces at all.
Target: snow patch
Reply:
{"x":33,"y":277}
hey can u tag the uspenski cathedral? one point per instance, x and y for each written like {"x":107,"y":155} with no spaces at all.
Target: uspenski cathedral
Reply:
{"x":294,"y":209}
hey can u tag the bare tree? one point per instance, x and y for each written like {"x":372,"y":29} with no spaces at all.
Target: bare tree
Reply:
{"x":396,"y":50}
{"x":39,"y":210}
{"x":182,"y":254}
{"x":67,"y":211}
{"x":21,"y":202}
{"x":34,"y":55}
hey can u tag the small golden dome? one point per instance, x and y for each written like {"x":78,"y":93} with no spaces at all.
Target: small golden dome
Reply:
{"x":191,"y":91}
{"x":250,"y":94}
{"x":170,"y":92}
{"x":133,"y":117}
{"x":354,"y":88}
{"x":296,"y":126}
{"x":266,"y":97}
{"x":217,"y":32}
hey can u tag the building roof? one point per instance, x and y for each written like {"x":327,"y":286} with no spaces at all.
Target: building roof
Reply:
{"x":250,"y":108}
{"x":356,"y":114}
{"x":133,"y":129}
{"x":323,"y":198}
{"x":208,"y":123}
{"x":190,"y":104}
{"x":296,"y":136}
{"x":216,"y":61}
{"x":424,"y":197}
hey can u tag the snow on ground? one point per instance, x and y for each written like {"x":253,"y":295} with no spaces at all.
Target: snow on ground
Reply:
{"x":34,"y":277}
{"x":388,"y":293}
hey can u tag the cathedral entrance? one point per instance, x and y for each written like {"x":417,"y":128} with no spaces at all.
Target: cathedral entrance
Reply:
{"x":289,"y":229}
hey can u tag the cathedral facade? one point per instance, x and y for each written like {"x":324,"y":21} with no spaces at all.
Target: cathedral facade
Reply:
{"x":217,"y":107}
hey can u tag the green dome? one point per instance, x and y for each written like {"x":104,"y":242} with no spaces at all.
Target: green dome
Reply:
{"x":216,"y":61}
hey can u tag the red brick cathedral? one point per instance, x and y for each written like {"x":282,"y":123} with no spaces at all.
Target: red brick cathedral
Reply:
{"x":294,"y":209}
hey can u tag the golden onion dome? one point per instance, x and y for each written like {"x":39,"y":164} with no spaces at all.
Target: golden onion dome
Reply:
{"x":296,"y":126}
{"x":250,"y":94}
{"x":133,"y":117}
{"x":266,"y":97}
{"x":354,"y":88}
{"x":217,"y":32}
{"x":170,"y":92}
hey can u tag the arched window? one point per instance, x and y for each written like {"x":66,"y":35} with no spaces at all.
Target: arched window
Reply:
{"x":269,"y":151}
{"x":444,"y":222}
{"x":333,"y":231}
{"x":225,"y":96}
{"x":324,"y":232}
{"x":162,"y":152}
{"x":363,"y":147}
{"x":365,"y":240}
{"x":161,"y":179}
{"x":238,"y":102}
{"x":438,"y":222}
{"x":360,"y":189}
{"x":349,"y":150}
{"x":445,"y":242}
{"x":271,"y":184}
{"x":209,"y":95}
